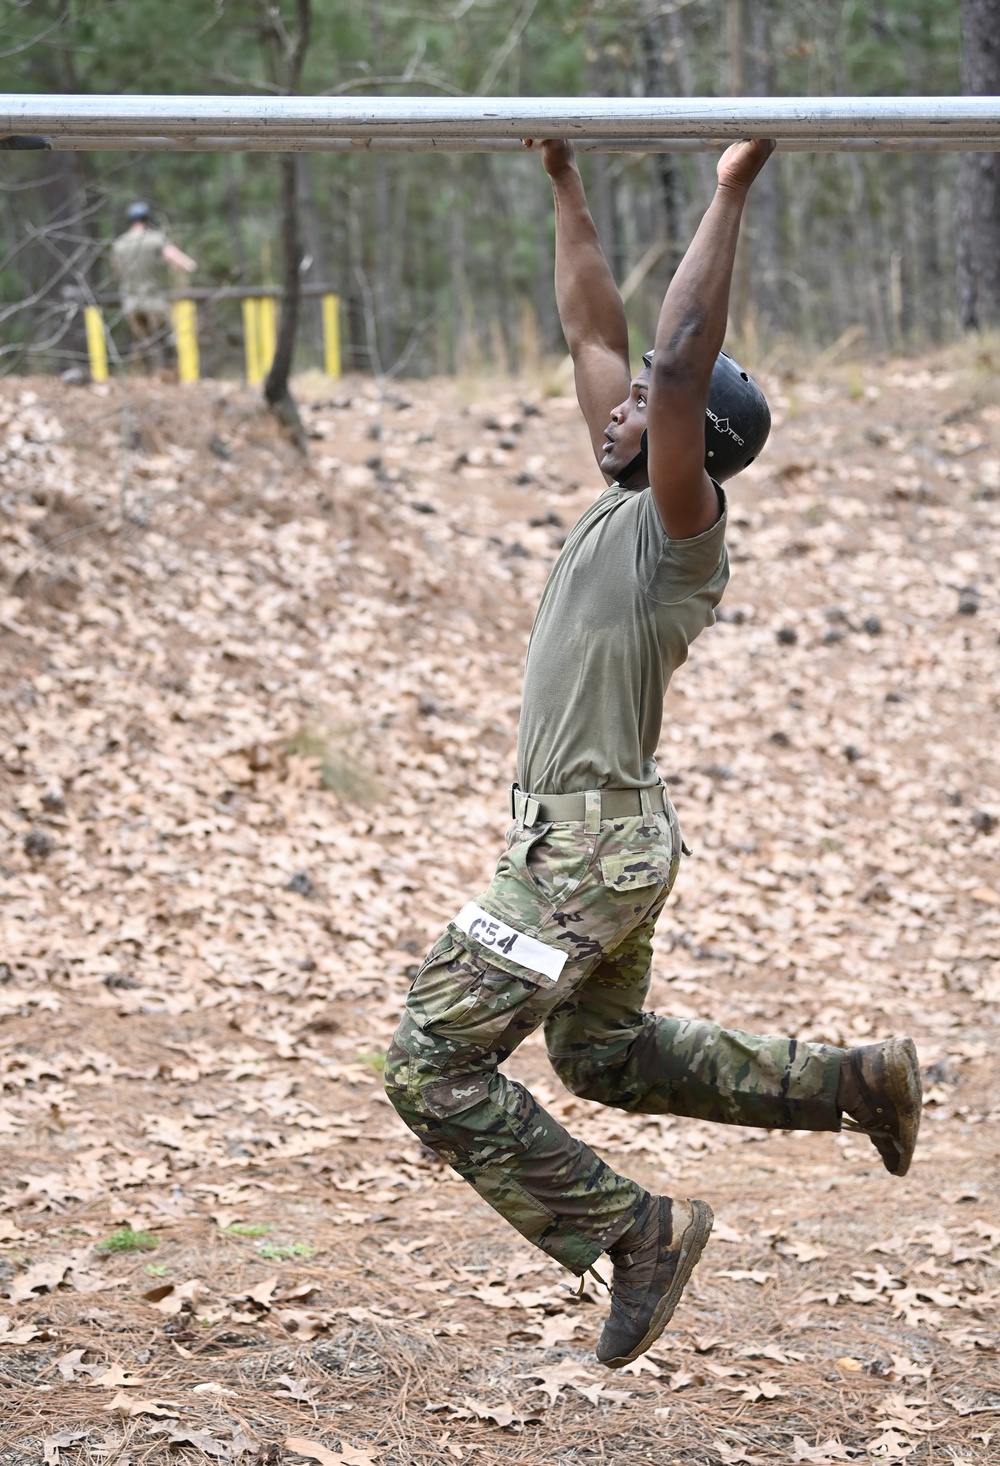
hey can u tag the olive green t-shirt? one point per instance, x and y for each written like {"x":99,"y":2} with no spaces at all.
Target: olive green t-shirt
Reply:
{"x":620,"y":609}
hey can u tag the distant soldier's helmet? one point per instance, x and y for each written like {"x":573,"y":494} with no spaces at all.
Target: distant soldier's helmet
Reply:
{"x":737,"y":419}
{"x":138,"y":213}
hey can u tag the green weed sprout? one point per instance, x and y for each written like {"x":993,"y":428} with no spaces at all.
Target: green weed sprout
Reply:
{"x":273,"y":1252}
{"x":127,"y":1240}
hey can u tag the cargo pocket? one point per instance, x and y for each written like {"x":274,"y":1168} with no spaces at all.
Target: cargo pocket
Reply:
{"x":632,"y":870}
{"x":465,"y":997}
{"x":446,"y":986}
{"x":447,"y":1097}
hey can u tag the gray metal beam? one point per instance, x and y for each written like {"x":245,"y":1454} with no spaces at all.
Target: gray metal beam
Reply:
{"x":486,"y":123}
{"x":274,"y":142}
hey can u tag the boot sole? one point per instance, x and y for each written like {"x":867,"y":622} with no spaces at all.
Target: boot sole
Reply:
{"x":906,"y":1092}
{"x":696,"y":1234}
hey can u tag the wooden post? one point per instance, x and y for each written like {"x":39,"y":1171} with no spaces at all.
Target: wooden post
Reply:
{"x":251,"y":341}
{"x":331,"y":335}
{"x":185,"y":314}
{"x":267,"y":333}
{"x":97,"y":349}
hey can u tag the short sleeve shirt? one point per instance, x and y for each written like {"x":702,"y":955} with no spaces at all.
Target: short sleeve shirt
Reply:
{"x":620,"y":609}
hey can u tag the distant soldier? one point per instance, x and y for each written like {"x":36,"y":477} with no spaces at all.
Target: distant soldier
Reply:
{"x":140,"y":257}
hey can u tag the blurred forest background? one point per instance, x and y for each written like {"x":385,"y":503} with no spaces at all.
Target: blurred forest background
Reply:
{"x":444,"y":263}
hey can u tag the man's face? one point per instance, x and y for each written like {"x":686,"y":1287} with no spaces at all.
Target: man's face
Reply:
{"x":622,"y":436}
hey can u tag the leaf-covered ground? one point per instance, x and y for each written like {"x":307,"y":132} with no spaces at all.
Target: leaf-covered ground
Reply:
{"x":258,"y":720}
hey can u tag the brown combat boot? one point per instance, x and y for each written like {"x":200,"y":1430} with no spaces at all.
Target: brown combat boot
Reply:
{"x":653,"y":1261}
{"x":880,"y":1090}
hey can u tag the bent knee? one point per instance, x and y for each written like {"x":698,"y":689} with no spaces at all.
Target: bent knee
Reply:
{"x":579,"y":1077}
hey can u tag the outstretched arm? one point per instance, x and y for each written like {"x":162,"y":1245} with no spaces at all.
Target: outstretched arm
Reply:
{"x":689,"y":337}
{"x":178,"y":258}
{"x":590,"y":308}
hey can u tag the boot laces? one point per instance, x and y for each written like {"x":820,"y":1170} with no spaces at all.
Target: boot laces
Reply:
{"x":847,"y":1124}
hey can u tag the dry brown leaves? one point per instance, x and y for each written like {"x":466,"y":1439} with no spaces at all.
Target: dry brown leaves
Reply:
{"x":257,"y":726}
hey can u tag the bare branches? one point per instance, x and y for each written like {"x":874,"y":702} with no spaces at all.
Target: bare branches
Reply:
{"x":492,"y":71}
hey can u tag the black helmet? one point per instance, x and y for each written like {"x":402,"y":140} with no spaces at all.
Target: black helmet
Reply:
{"x":138,"y":213}
{"x":737,"y":419}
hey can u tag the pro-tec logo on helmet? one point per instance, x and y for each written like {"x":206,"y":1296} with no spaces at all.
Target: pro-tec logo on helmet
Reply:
{"x":722,"y":426}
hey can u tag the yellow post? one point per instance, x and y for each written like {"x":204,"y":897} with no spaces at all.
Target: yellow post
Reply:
{"x":186,"y":335}
{"x":97,"y":349}
{"x":251,"y":344}
{"x":331,"y":335}
{"x":268,"y":334}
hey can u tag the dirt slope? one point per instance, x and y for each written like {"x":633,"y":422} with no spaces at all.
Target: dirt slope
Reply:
{"x":257,"y":724}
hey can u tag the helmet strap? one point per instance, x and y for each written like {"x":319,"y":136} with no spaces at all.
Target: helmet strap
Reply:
{"x":639,"y":461}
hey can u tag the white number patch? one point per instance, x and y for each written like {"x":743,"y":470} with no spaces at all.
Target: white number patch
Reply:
{"x":526,"y":951}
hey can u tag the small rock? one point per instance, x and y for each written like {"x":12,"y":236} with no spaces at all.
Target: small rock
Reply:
{"x":940,"y":1072}
{"x":531,"y":409}
{"x":781,"y":738}
{"x":259,"y":758}
{"x":717,"y":771}
{"x":787,"y":635}
{"x":301,"y":884}
{"x":953,"y":797}
{"x":984,"y":822}
{"x":219,"y":448}
{"x":968,"y":601}
{"x":735,"y":617}
{"x":422,"y":507}
{"x":53,"y":800}
{"x":516,"y":551}
{"x":508,"y":441}
{"x":852,"y":753}
{"x":832,"y":635}
{"x":120,"y":981}
{"x":74,"y":376}
{"x":524,"y":477}
{"x":38,"y":845}
{"x":427,"y":707}
{"x":872,"y":625}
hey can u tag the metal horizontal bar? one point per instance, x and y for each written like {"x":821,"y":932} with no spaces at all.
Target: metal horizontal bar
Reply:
{"x":277,"y":143}
{"x":224,"y":292}
{"x":443,"y":121}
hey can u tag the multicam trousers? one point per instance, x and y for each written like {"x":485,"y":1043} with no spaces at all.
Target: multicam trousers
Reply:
{"x":592,"y":891}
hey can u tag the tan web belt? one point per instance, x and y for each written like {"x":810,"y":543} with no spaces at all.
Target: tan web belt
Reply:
{"x":589,"y":807}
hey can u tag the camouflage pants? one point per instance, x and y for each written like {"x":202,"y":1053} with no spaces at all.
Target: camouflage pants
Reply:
{"x":593,"y":895}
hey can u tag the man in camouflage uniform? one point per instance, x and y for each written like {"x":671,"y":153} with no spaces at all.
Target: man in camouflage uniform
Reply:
{"x":140,"y":258}
{"x":563,"y":935}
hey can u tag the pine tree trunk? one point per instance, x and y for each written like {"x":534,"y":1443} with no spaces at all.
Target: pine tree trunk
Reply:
{"x":763,"y":225}
{"x":277,"y":392}
{"x":979,"y":177}
{"x":276,"y":388}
